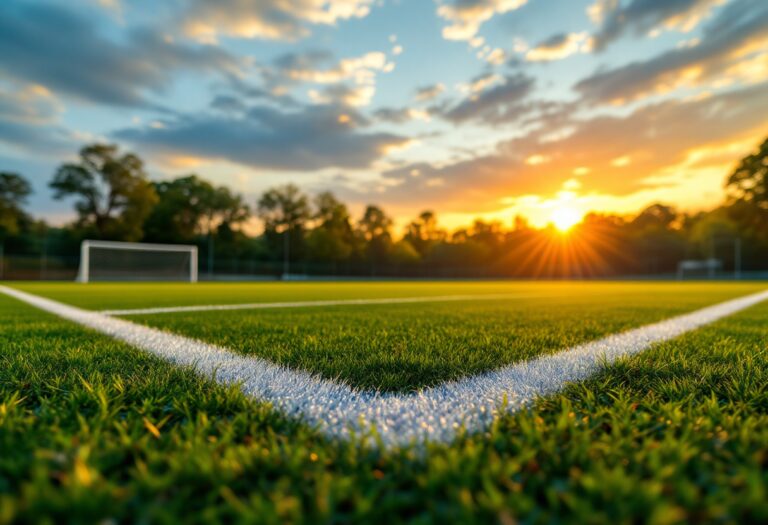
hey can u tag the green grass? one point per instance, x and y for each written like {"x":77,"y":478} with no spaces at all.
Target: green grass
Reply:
{"x":406,"y":347}
{"x":94,"y":431}
{"x":100,"y":296}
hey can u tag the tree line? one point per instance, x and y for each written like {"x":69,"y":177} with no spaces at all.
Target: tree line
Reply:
{"x":114,"y":199}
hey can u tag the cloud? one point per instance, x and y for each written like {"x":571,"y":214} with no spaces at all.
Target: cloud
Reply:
{"x":430,"y":92}
{"x":492,"y":99}
{"x":560,"y":46}
{"x":466,"y":16}
{"x":320,"y":67}
{"x":342,"y":94}
{"x":307,"y":67}
{"x":617,"y":155}
{"x":205,"y":20}
{"x":30,"y":104}
{"x":639,"y":17}
{"x":228,"y":104}
{"x":65,"y":52}
{"x":312,"y":138}
{"x":599,"y":11}
{"x":480,"y":83}
{"x":401,"y":115}
{"x":733,"y":48}
{"x":494,"y":56}
{"x":29,"y":119}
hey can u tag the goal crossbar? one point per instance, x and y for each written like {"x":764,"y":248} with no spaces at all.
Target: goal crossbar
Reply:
{"x":86,"y":246}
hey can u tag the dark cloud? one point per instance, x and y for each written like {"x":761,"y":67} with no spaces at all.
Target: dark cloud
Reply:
{"x":740,"y":24}
{"x":638,"y":17}
{"x":559,"y":46}
{"x":228,"y":104}
{"x":554,"y":42}
{"x":394,"y":115}
{"x":66,"y":52}
{"x":312,"y":138}
{"x":244,"y":88}
{"x":309,"y":60}
{"x":48,"y":140}
{"x":498,"y":103}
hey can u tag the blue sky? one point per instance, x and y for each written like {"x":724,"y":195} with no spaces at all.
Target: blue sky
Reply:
{"x":472,"y":108}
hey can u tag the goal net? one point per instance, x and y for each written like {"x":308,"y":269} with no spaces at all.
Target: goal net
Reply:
{"x":133,"y":261}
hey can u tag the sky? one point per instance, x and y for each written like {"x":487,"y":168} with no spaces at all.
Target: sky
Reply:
{"x":470,"y":108}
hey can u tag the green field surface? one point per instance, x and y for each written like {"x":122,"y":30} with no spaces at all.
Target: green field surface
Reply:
{"x":101,"y":296}
{"x":396,"y":347}
{"x":94,"y":431}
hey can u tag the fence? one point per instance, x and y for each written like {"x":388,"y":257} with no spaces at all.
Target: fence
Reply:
{"x":64,"y":268}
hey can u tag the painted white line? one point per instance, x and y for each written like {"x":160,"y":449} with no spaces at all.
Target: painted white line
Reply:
{"x":435,"y":413}
{"x":305,"y":304}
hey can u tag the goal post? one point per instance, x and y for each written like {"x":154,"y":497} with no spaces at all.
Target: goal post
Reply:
{"x":136,"y":261}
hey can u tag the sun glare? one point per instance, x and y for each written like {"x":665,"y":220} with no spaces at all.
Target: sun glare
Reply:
{"x":565,"y":218}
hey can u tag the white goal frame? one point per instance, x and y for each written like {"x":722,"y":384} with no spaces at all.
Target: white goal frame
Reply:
{"x":83,"y":274}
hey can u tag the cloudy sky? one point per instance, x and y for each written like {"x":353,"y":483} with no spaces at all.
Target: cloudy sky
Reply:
{"x":468,"y":107}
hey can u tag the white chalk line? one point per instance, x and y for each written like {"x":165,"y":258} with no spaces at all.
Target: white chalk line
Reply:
{"x":436,"y":414}
{"x":309,"y":304}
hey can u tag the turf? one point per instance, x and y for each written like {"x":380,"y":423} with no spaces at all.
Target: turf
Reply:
{"x":93,"y":431}
{"x":407,"y":347}
{"x":101,"y":296}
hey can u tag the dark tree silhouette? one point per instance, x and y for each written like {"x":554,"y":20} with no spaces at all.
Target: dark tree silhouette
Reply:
{"x":423,"y":233}
{"x":374,"y":228}
{"x":747,"y":189}
{"x":333,"y":239}
{"x":14,"y":190}
{"x":285,"y":212}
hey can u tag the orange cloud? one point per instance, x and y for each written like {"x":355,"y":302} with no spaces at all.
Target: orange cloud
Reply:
{"x":682,"y":149}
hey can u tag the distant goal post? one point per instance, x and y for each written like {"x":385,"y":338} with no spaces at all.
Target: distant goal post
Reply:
{"x":136,"y":261}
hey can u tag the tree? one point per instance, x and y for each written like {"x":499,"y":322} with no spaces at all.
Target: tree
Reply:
{"x":748,"y":193}
{"x":375,"y":223}
{"x":656,"y":217}
{"x":178,"y":215}
{"x":225,"y":209}
{"x":658,"y":244}
{"x":115,"y":196}
{"x":14,"y":190}
{"x":332,"y":240}
{"x":709,"y":227}
{"x":423,"y":233}
{"x":374,"y":229}
{"x":488,"y":233}
{"x":403,"y":254}
{"x":285,"y":212}
{"x":190,"y":206}
{"x":749,"y":181}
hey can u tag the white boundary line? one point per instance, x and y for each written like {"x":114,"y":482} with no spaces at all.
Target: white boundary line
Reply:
{"x":434,"y":414}
{"x":305,"y":304}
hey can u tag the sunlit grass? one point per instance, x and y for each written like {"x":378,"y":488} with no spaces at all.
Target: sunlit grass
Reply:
{"x":93,"y":431}
{"x":405,"y":347}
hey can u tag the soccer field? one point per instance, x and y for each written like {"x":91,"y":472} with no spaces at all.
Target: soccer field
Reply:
{"x":384,"y":402}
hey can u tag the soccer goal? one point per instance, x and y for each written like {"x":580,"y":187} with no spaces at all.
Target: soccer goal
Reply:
{"x":134,"y":261}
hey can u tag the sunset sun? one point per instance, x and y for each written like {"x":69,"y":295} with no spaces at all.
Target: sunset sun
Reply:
{"x":564,"y":218}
